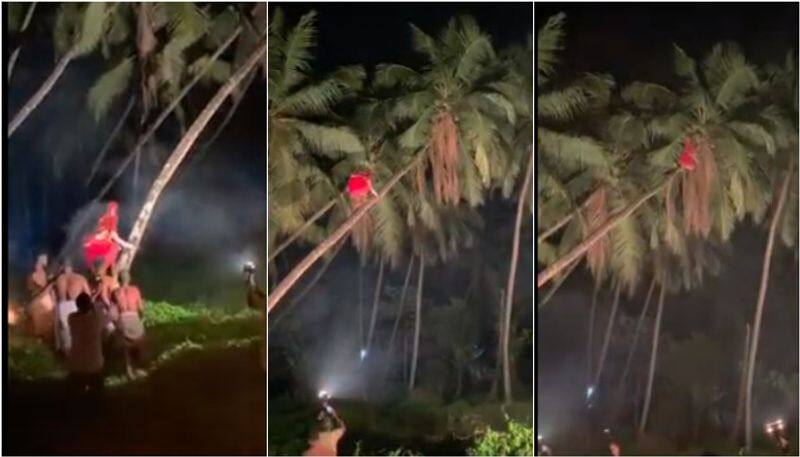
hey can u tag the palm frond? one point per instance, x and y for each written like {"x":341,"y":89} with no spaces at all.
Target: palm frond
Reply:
{"x":110,"y":85}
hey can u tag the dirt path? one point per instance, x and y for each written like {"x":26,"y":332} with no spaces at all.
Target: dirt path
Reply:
{"x":210,"y":402}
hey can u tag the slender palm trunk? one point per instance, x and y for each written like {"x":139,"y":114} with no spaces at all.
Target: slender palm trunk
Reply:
{"x":417,"y":323}
{"x":182,"y":149}
{"x":498,"y":356}
{"x":110,"y":141}
{"x":376,"y":299}
{"x":145,"y":138}
{"x":512,"y":273}
{"x":559,"y":282}
{"x":737,"y":422}
{"x":15,"y":55}
{"x":321,"y":212}
{"x":653,"y":355}
{"x":548,"y":273}
{"x":607,"y":338}
{"x":41,"y":93}
{"x":560,"y":223}
{"x":400,"y":306}
{"x":360,"y":305}
{"x":291,"y":278}
{"x":636,"y":333}
{"x":590,"y":338}
{"x":762,"y":294}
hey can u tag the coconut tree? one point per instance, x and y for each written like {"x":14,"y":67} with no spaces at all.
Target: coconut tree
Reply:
{"x":77,"y":33}
{"x":17,"y":23}
{"x":182,"y":149}
{"x":304,"y":130}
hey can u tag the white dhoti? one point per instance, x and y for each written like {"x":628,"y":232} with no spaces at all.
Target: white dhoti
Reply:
{"x":63,"y":337}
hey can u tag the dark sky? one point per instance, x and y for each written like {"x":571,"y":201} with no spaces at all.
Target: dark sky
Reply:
{"x":368,"y":34}
{"x":634,"y":41}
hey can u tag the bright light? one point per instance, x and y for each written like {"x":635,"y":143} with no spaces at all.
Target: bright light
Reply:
{"x":770,"y":427}
{"x":539,"y":437}
{"x":323,"y":394}
{"x":363,"y":354}
{"x":589,"y":392}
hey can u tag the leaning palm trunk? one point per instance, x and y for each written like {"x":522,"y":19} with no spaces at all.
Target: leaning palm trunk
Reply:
{"x":548,"y":273}
{"x":737,"y":422}
{"x":111,"y":138}
{"x":291,"y":278}
{"x":376,"y":299}
{"x":417,"y":323}
{"x":182,"y":149}
{"x":762,"y":294}
{"x":653,"y":354}
{"x":41,"y":93}
{"x":147,"y":135}
{"x":607,"y":338}
{"x":321,"y":212}
{"x":512,"y":272}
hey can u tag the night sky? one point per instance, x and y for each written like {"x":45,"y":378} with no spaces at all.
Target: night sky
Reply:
{"x":369,"y":34}
{"x":634,"y":41}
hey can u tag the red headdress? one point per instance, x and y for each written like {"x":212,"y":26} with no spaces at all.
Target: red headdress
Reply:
{"x":688,"y":159}
{"x":359,"y":186}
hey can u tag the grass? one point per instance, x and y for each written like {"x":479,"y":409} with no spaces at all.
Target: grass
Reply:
{"x":204,"y":392}
{"x":410,"y":426}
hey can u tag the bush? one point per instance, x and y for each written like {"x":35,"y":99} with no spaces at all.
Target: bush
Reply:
{"x":31,"y":359}
{"x":517,"y":440}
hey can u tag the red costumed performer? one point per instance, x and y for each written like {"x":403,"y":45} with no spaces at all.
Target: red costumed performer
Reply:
{"x":688,"y":159}
{"x":359,"y":186}
{"x":105,"y":242}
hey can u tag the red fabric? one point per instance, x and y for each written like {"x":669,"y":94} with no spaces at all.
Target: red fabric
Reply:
{"x":359,"y":184}
{"x":100,"y":244}
{"x":688,"y":159}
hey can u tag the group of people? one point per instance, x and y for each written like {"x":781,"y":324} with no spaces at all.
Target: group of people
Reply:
{"x":77,"y":316}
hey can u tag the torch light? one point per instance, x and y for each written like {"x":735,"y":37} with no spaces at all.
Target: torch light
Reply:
{"x":362,"y":354}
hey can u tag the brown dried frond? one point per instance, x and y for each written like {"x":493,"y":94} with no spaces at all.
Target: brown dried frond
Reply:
{"x":596,"y":214}
{"x":697,"y":187}
{"x":443,"y":154}
{"x":420,"y":170}
{"x":361,"y":234}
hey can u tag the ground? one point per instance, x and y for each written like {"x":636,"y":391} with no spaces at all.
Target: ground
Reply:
{"x":205,"y":393}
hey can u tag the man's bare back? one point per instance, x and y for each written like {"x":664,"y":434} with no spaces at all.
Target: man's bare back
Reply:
{"x":106,"y":288}
{"x":128,"y":299}
{"x":70,"y":284}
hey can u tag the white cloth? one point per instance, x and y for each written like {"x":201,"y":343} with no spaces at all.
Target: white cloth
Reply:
{"x":86,"y":353}
{"x":63,"y":336}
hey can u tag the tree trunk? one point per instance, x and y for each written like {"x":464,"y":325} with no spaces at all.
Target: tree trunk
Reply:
{"x":639,"y":324}
{"x":182,"y":149}
{"x":321,"y":212}
{"x":512,"y":272}
{"x":560,"y":223}
{"x":607,"y":338}
{"x":401,"y":305}
{"x":15,"y":55}
{"x":110,"y":141}
{"x":498,"y":357}
{"x":653,"y":354}
{"x":737,"y":422}
{"x":291,"y":278}
{"x":417,"y":323}
{"x":590,"y":339}
{"x":559,"y":282}
{"x":41,"y":93}
{"x":310,"y":285}
{"x":375,"y":302}
{"x":762,"y":294}
{"x":169,"y":109}
{"x":575,"y":253}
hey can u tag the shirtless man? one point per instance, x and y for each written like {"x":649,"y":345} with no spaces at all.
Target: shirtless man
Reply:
{"x":43,"y":301}
{"x":106,"y":284}
{"x":128,"y":300}
{"x":68,"y":286}
{"x":330,"y":429}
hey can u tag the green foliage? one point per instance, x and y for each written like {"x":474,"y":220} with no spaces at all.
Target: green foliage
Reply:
{"x":31,"y":360}
{"x":111,"y":85}
{"x":516,"y":440}
{"x":92,"y":26}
